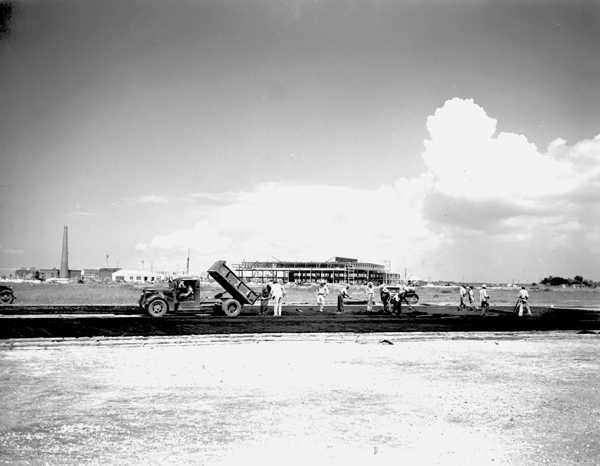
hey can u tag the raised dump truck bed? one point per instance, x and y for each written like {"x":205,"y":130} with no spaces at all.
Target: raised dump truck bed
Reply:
{"x":231,"y":283}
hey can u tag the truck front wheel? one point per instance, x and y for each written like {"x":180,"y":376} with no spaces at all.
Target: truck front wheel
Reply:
{"x":7,"y":297}
{"x":157,"y":307}
{"x":231,"y":308}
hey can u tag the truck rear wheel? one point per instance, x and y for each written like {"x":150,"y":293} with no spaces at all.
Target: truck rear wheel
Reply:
{"x":231,"y":307}
{"x":157,"y":307}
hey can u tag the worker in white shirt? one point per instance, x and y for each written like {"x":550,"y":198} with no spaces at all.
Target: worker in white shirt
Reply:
{"x":322,"y":291}
{"x":462,"y":291}
{"x":370,"y":296}
{"x":277,"y":293}
{"x":484,"y":300}
{"x":523,"y":301}
{"x":471,"y":297}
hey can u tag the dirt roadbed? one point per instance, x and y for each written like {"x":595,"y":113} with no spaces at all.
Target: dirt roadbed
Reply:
{"x":88,"y":321}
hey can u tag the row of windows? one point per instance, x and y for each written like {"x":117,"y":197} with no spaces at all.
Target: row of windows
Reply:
{"x":308,"y":265}
{"x":138,"y":278}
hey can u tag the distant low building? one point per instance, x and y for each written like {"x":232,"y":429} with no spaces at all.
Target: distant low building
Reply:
{"x":50,"y":273}
{"x":74,"y":274}
{"x":137,"y":276}
{"x":105,"y":273}
{"x":90,"y":274}
{"x":28,"y":273}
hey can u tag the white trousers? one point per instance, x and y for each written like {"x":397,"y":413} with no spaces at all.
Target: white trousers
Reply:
{"x":277,"y":302}
{"x":370,"y":302}
{"x":521,"y":308}
{"x":321,"y":301}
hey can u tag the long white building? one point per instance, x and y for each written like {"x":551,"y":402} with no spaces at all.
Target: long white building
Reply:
{"x":338,"y":270}
{"x":139,"y":276}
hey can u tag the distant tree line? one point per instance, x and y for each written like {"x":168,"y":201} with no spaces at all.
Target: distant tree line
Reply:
{"x":577,"y":280}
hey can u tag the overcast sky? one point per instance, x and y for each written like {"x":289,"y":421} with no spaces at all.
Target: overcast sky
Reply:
{"x":458,"y":139}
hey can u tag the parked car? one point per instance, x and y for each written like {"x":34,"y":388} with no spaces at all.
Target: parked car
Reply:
{"x":7,"y":296}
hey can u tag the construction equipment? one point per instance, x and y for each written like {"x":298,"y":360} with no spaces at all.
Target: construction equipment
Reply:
{"x":409,"y":295}
{"x":183,"y":294}
{"x":399,"y":296}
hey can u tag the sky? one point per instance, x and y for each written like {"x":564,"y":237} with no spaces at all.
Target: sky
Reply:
{"x":457,"y":139}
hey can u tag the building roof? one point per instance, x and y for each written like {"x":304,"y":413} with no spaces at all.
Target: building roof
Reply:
{"x":344,"y":259}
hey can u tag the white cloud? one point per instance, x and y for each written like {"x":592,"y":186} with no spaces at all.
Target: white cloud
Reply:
{"x":496,"y":176}
{"x":485,"y":194}
{"x":469,"y":160}
{"x":149,"y":199}
{"x":308,"y":222}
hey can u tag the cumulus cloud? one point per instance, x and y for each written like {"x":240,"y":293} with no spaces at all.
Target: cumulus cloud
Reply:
{"x":496,"y":178}
{"x":489,"y":196}
{"x":470,"y":160}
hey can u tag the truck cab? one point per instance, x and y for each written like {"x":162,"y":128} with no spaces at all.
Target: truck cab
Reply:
{"x":180,"y":295}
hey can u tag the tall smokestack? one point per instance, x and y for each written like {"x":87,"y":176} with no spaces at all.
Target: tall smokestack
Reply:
{"x":64,"y":260}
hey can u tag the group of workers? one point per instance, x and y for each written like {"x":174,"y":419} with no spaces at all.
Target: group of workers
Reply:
{"x":467,"y":294}
{"x":394,"y":297}
{"x":391,"y":297}
{"x":275,"y":291}
{"x":388,"y":298}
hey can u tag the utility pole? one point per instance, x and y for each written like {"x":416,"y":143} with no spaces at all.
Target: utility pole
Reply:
{"x":187,"y":263}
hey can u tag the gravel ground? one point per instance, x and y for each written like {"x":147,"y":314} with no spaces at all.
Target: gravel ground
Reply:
{"x":460,"y":398}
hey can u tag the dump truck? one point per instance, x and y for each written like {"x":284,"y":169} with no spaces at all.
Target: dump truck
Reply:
{"x":184,"y":295}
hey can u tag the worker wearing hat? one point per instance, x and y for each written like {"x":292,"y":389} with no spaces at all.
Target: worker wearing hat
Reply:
{"x":462,"y":291}
{"x":484,"y":299}
{"x":523,"y":302}
{"x":370,"y":296}
{"x":322,"y":291}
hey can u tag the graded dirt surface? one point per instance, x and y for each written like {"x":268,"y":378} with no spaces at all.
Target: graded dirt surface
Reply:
{"x":117,"y":321}
{"x":336,"y":399}
{"x":88,"y":321}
